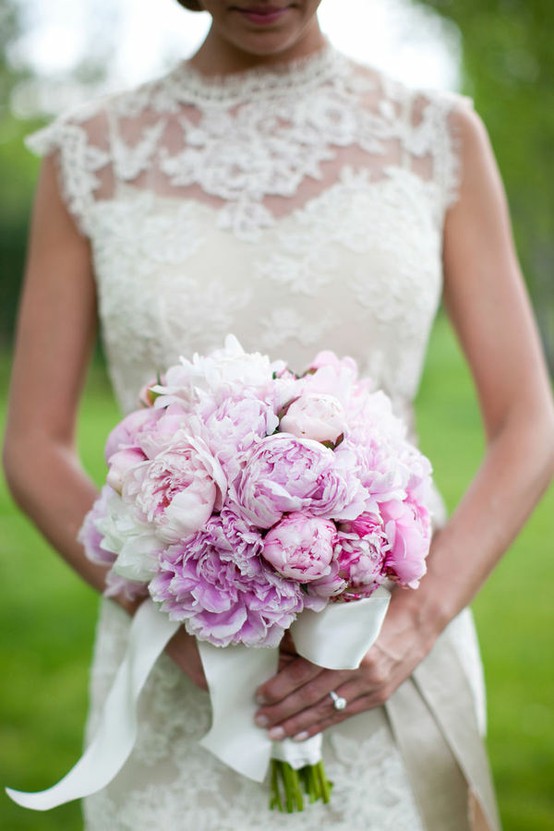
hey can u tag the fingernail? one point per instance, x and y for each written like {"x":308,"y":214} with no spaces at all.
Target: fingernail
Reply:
{"x":260,"y":698}
{"x":261,"y":721}
{"x":276,"y":733}
{"x":301,"y":737}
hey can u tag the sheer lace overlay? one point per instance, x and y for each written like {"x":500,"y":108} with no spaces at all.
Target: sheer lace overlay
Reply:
{"x":301,"y":208}
{"x":297,"y":207}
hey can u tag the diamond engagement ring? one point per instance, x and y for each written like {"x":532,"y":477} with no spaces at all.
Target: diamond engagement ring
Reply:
{"x":339,"y":703}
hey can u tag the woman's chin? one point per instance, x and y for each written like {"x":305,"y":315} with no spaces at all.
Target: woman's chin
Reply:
{"x":267,"y":31}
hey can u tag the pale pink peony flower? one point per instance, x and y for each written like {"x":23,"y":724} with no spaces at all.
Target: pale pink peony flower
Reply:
{"x":375,"y":465}
{"x":124,"y":435}
{"x":237,"y":424}
{"x":120,"y":463}
{"x":330,"y":375}
{"x":327,"y":358}
{"x":89,"y":534}
{"x":202,"y":383}
{"x":362,"y":547}
{"x":92,"y":538}
{"x":130,"y":544}
{"x":285,"y":474}
{"x":317,"y":416}
{"x":371,"y":411}
{"x":408,"y":529}
{"x":146,"y":432}
{"x":332,"y":585}
{"x":300,"y":547}
{"x":177,"y":491}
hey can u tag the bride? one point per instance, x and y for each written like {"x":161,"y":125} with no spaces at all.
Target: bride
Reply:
{"x":271,"y":187}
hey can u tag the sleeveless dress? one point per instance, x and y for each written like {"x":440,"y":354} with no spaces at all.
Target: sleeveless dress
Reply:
{"x":299,"y":207}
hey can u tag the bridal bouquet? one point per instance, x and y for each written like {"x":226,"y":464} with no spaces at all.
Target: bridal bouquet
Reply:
{"x":243,"y":500}
{"x":242,"y":494}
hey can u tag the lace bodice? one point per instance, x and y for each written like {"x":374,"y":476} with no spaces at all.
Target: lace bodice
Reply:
{"x":299,"y":207}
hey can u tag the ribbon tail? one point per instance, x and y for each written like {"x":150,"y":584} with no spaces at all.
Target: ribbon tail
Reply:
{"x":233,"y":673}
{"x":109,"y":750}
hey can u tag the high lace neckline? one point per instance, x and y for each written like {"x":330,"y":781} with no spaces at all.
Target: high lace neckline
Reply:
{"x":301,"y":73}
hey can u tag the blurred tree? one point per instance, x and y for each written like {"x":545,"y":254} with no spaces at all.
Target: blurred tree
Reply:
{"x":9,"y":28}
{"x":508,"y":68}
{"x":16,"y":174}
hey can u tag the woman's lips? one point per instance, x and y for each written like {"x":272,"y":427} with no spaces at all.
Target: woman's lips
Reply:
{"x":263,"y":15}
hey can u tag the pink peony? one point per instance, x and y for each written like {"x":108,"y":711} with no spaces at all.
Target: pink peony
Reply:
{"x":237,"y":424}
{"x":160,"y":434}
{"x":330,"y":375}
{"x":326,"y":358}
{"x":285,"y":474}
{"x":300,"y":547}
{"x":224,"y":593}
{"x":89,"y":534}
{"x":316,"y":416}
{"x":178,"y":490}
{"x":375,"y":465}
{"x":362,"y":546}
{"x":124,"y":435}
{"x":201,"y":384}
{"x":92,"y":537}
{"x":408,"y":529}
{"x":331,"y":585}
{"x":120,"y":463}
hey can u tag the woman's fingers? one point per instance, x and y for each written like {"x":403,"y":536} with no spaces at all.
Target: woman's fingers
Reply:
{"x":312,"y":697}
{"x":317,"y":717}
{"x":311,"y":722}
{"x":296,"y":674}
{"x":297,"y":701}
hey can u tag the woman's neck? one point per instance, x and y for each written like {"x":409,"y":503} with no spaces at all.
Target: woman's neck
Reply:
{"x":218,"y":56}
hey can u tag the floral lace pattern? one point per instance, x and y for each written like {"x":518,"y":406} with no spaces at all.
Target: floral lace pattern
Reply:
{"x":301,"y":208}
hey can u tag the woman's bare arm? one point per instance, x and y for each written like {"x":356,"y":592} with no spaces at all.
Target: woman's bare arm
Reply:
{"x":56,"y":331}
{"x":55,"y":335}
{"x":488,"y":305}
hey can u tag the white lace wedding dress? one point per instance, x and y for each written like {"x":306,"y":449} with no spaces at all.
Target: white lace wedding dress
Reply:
{"x":301,"y":208}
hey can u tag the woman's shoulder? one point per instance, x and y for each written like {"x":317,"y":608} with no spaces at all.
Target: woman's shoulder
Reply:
{"x":431,"y":125}
{"x":84,"y":142}
{"x":386,"y":91}
{"x":89,"y":122}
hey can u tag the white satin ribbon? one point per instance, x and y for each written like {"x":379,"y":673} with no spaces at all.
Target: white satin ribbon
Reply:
{"x":233,"y":674}
{"x":336,"y":638}
{"x":340,"y":635}
{"x":116,"y":734}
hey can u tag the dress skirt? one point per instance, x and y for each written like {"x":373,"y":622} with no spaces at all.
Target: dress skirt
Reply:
{"x":416,"y":764}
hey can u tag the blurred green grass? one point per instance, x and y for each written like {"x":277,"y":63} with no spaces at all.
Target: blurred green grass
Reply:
{"x":47,"y":620}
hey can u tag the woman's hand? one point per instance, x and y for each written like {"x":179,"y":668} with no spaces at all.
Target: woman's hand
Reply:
{"x":296,"y":701}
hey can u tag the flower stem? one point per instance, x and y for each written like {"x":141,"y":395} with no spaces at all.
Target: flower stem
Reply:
{"x":287,"y":785}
